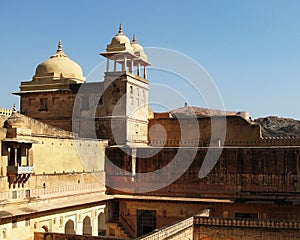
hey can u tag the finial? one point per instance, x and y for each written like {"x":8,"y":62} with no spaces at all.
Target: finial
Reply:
{"x":14,"y":108}
{"x":59,"y":46}
{"x":120,"y":28}
{"x":134,"y":38}
{"x":59,"y":52}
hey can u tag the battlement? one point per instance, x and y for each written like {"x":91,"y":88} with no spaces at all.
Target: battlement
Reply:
{"x":5,"y":111}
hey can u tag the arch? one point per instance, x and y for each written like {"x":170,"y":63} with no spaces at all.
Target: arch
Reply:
{"x":45,"y":228}
{"x":101,"y":224}
{"x":87,"y":227}
{"x":69,"y":227}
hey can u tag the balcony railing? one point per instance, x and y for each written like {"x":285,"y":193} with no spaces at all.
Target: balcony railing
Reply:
{"x":19,"y":169}
{"x":50,"y":192}
{"x":251,"y":223}
{"x":169,"y":231}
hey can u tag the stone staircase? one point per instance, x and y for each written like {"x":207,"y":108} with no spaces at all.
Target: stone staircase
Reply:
{"x":117,"y":230}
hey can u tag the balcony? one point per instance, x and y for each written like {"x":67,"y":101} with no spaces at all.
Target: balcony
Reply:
{"x":18,"y":175}
{"x":16,"y":170}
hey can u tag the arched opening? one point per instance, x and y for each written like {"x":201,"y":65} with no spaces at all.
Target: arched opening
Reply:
{"x":69,"y":227}
{"x":45,"y":228}
{"x":101,"y":225}
{"x":87,"y":227}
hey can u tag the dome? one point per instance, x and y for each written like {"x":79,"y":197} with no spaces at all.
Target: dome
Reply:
{"x":59,"y":65}
{"x":138,"y":49}
{"x":120,"y":42}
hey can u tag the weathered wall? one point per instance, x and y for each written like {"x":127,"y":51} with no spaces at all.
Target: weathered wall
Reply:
{"x":67,"y":155}
{"x":240,"y":173}
{"x":54,"y":108}
{"x":183,"y":131}
{"x":236,"y":233}
{"x":57,"y":158}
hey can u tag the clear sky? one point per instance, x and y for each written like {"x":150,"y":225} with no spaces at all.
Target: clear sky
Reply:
{"x":250,"y":48}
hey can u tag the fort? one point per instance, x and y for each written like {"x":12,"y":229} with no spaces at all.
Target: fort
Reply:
{"x":89,"y":161}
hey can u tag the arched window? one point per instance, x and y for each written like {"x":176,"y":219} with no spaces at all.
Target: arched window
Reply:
{"x":87,"y":227}
{"x":69,"y":227}
{"x":101,"y":225}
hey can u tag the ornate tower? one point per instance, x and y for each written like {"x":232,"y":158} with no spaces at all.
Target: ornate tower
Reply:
{"x":123,"y":117}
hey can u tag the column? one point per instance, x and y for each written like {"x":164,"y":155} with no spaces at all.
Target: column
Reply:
{"x":145,"y":72}
{"x":115,"y":65}
{"x":138,"y":69}
{"x":124,"y":65}
{"x":131,"y":65}
{"x":107,"y":65}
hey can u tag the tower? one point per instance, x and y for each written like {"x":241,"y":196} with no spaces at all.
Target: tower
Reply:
{"x":49,"y":96}
{"x":123,"y":112}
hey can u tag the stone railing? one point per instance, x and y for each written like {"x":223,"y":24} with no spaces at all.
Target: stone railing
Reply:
{"x":63,"y":236}
{"x":5,"y":111}
{"x":20,"y":169}
{"x":169,"y":231}
{"x":50,"y":192}
{"x":251,"y":223}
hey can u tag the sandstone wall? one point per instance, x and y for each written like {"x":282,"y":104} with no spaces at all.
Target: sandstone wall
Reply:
{"x":239,"y":173}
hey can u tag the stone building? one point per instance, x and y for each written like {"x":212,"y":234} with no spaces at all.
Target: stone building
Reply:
{"x":83,"y":161}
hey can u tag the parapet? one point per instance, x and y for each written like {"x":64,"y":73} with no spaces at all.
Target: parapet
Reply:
{"x":5,"y":112}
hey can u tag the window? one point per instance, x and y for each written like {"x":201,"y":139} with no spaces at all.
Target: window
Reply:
{"x":43,"y":104}
{"x":55,"y":100}
{"x":131,"y":90}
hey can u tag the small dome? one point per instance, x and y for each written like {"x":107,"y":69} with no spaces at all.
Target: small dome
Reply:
{"x":120,"y":42}
{"x":138,"y":49}
{"x":59,"y":65}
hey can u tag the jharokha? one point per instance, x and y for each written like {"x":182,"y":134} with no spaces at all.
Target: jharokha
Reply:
{"x":78,"y":161}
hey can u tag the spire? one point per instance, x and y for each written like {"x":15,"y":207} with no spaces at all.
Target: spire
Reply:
{"x":59,"y":46}
{"x":59,"y":51}
{"x":134,"y":38}
{"x":120,"y":28}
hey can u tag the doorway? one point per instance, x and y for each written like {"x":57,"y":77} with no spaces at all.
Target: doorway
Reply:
{"x":146,"y":221}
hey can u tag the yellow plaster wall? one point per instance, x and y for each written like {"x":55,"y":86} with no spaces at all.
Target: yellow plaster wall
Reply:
{"x":67,"y":155}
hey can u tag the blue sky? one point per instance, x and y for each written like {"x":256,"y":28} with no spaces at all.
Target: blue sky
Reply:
{"x":250,"y":48}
